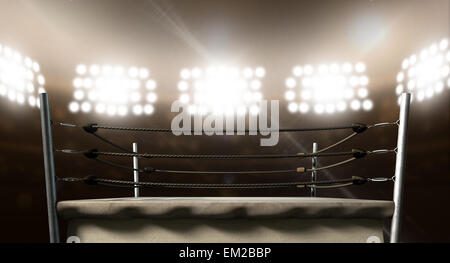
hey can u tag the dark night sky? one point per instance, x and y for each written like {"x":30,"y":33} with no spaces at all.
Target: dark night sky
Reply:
{"x":166,"y":36}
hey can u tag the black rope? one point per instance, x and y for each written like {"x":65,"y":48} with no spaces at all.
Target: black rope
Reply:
{"x":113,"y":164}
{"x":151,"y":169}
{"x":357,"y":153}
{"x":112,"y":143}
{"x":356,"y":127}
{"x":92,"y":180}
{"x":337,"y":143}
{"x":115,"y":145}
{"x":222,"y":156}
{"x":226,"y":172}
{"x":117,"y":128}
{"x":330,"y":165}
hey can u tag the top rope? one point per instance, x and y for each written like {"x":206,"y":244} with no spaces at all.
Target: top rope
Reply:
{"x":356,"y":127}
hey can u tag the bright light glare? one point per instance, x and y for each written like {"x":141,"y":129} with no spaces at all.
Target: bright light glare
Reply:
{"x":328,"y":88}
{"x":222,"y":90}
{"x":113,"y":90}
{"x":292,"y":107}
{"x":20,"y":78}
{"x":74,"y":106}
{"x":425,"y":75}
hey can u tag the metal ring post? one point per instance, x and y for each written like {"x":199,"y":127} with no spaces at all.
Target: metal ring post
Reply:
{"x":400,"y":166}
{"x":314,"y":166}
{"x":49,"y":163}
{"x":136,"y":171}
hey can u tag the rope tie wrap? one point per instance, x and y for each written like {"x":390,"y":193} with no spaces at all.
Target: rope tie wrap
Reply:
{"x":359,"y":127}
{"x":91,"y":154}
{"x":90,"y":128}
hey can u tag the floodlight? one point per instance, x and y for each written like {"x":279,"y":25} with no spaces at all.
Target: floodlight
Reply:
{"x":113,"y":90}
{"x":221,"y":90}
{"x":328,"y":88}
{"x":425,"y":75}
{"x":20,"y":78}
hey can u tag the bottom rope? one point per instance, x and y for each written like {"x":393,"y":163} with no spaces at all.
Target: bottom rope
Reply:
{"x":92,"y":180}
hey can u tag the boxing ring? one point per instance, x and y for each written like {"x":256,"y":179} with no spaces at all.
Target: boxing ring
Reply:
{"x":224,"y":219}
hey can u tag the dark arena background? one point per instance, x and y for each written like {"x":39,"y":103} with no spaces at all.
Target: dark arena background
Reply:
{"x":168,"y":36}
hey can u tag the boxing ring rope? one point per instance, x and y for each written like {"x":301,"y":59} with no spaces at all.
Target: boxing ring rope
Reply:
{"x":92,"y":180}
{"x":357,"y":154}
{"x":51,"y":178}
{"x":357,"y":128}
{"x":94,"y":152}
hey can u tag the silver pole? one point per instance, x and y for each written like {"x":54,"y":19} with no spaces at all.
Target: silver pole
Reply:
{"x":135,"y":172}
{"x":314,"y":173}
{"x":400,"y":166}
{"x":49,"y":163}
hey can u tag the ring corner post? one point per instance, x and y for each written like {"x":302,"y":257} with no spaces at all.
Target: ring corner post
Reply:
{"x":400,"y":166}
{"x":50,"y":179}
{"x":314,"y":173}
{"x":136,"y":170}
